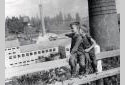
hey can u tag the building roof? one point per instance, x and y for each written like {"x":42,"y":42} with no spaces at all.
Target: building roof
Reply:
{"x":12,"y":43}
{"x":44,"y":45}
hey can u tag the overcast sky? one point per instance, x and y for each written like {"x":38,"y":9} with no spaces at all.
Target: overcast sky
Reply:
{"x":51,"y":7}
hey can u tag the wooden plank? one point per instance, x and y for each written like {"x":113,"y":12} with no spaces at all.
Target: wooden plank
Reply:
{"x":89,"y":78}
{"x":108,"y":54}
{"x":92,"y":77}
{"x":22,"y":70}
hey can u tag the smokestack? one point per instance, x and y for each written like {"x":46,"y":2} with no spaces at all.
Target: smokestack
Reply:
{"x":42,"y":19}
{"x":104,"y":23}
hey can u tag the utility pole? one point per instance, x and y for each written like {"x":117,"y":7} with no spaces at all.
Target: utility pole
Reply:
{"x":42,"y":18}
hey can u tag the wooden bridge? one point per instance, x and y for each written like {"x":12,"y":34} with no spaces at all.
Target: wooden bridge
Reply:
{"x":19,"y":71}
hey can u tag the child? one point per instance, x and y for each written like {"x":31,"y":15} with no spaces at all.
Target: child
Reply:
{"x":88,"y":45}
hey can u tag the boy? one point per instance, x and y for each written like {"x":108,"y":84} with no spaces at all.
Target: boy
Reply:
{"x":76,"y":50}
{"x":88,"y":45}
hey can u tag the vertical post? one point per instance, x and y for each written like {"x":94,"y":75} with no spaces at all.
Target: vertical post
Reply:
{"x":99,"y":62}
{"x":103,"y":24}
{"x":42,"y":18}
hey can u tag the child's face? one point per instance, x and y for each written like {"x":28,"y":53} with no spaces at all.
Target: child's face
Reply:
{"x":82,"y":32}
{"x":75,"y":28}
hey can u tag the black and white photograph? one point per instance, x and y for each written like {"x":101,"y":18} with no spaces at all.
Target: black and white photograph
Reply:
{"x":62,"y":42}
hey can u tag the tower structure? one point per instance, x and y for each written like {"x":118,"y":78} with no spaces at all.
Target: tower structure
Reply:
{"x":42,"y":18}
{"x":104,"y":23}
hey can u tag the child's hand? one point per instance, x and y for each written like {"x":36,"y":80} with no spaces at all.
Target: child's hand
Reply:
{"x":87,"y":50}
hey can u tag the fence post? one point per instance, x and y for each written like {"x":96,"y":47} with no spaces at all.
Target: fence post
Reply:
{"x":99,"y":62}
{"x":99,"y":65}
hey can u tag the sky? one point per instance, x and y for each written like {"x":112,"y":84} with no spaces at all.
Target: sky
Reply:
{"x":50,"y":7}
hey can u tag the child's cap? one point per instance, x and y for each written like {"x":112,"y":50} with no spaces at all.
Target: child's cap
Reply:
{"x":74,"y":23}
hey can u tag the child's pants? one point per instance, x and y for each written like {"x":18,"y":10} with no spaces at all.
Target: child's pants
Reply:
{"x":80,"y":59}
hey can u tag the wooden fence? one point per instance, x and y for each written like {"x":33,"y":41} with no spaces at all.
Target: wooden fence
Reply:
{"x":19,"y":71}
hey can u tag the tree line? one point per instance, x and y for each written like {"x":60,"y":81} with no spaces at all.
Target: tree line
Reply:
{"x":16,"y":25}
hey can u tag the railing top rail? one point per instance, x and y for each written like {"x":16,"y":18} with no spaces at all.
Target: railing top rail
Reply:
{"x":108,"y":54}
{"x":93,"y":77}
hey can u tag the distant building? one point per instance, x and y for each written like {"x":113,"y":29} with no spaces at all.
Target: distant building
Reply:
{"x":25,"y":19}
{"x":11,"y":49}
{"x":16,"y":55}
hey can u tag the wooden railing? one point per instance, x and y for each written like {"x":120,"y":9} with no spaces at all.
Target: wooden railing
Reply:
{"x":19,"y":71}
{"x":92,"y":77}
{"x":108,"y":54}
{"x":96,"y":76}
